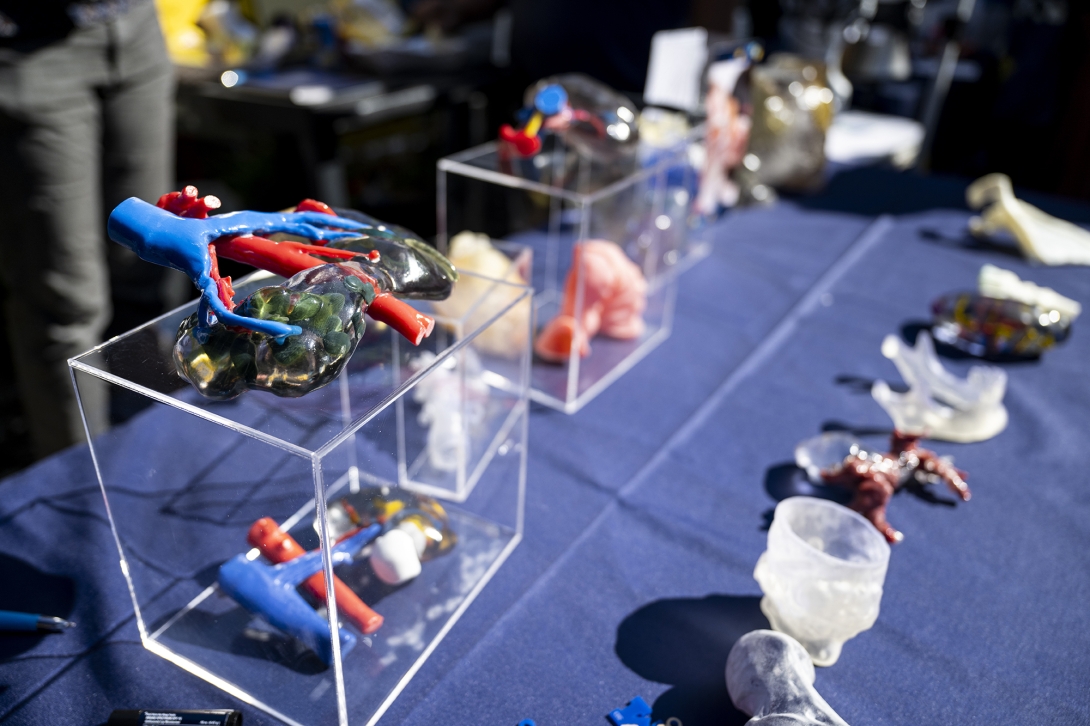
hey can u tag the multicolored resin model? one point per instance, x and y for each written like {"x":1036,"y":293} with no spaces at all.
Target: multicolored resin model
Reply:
{"x":402,"y":530}
{"x":270,"y":591}
{"x":614,"y":295}
{"x":296,"y":337}
{"x":989,"y":327}
{"x":589,"y":115}
{"x":278,"y":546}
{"x":873,"y":477}
{"x":1006,"y":318}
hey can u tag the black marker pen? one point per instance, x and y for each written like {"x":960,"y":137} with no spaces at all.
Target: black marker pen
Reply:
{"x":170,"y":717}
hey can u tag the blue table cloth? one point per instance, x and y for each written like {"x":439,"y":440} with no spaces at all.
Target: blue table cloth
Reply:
{"x":647,"y":511}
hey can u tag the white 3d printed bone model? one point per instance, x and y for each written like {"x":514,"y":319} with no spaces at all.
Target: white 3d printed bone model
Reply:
{"x":770,"y":677}
{"x":938,"y":404}
{"x":1005,"y":285}
{"x":1041,"y":236}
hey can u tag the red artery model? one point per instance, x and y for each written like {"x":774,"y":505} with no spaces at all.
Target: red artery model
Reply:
{"x":278,"y":546}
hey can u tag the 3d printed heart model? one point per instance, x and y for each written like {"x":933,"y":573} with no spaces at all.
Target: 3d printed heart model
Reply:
{"x":293,"y":338}
{"x":270,"y":591}
{"x":873,"y":477}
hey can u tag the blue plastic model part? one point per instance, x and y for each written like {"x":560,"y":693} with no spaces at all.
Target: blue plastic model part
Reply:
{"x":636,"y":713}
{"x":551,"y":99}
{"x":270,"y":591}
{"x":527,"y":722}
{"x":164,"y":238}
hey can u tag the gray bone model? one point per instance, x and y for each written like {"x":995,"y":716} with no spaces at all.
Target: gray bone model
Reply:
{"x":770,"y":677}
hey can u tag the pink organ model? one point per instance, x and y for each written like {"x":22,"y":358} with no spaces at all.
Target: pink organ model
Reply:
{"x":614,"y":298}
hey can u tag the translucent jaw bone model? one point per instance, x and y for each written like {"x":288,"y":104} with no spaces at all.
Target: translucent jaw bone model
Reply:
{"x":770,"y":677}
{"x":938,"y":404}
{"x":1042,"y":237}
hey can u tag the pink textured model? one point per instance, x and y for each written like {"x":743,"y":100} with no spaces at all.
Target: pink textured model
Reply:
{"x":614,"y":297}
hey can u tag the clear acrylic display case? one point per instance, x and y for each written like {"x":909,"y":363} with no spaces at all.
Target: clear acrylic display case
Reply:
{"x":559,"y":198}
{"x":184,"y":478}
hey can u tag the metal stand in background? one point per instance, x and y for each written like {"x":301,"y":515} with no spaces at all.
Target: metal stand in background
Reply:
{"x":936,"y":99}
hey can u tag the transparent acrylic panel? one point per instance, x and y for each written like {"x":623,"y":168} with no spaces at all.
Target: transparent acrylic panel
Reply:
{"x":185,"y":479}
{"x":549,"y":203}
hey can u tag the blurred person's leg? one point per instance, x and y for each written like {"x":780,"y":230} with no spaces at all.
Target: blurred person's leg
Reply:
{"x":138,"y":153}
{"x":52,"y":254}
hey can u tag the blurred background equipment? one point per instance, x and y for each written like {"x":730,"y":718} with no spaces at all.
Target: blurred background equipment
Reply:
{"x":354,"y":101}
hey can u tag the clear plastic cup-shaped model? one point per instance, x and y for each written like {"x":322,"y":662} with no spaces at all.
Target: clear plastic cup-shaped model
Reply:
{"x":822,"y":575}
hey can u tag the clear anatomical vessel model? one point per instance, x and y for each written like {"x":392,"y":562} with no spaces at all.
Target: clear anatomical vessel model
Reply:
{"x":938,"y":404}
{"x":874,"y":477}
{"x":1040,"y":236}
{"x":293,"y":338}
{"x":614,"y":295}
{"x":589,"y":115}
{"x":770,"y":677}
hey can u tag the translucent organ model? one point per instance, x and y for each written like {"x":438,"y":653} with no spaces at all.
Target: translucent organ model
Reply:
{"x":453,"y":400}
{"x":598,"y":121}
{"x":938,"y":404}
{"x":296,"y":337}
{"x":770,"y":677}
{"x":821,"y":575}
{"x":1040,"y":236}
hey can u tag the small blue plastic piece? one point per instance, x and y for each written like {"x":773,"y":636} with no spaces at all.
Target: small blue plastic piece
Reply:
{"x":163,"y":238}
{"x":270,"y":591}
{"x":636,"y":713}
{"x":527,"y":722}
{"x":551,"y":99}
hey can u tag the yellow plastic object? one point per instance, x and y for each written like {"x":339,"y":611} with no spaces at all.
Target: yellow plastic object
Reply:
{"x":186,"y":42}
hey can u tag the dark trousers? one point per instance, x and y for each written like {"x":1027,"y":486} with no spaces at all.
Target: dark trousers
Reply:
{"x":85,"y":122}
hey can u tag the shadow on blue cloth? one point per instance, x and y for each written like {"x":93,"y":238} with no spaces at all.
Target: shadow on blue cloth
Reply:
{"x":685,"y":642}
{"x":1002,"y":246}
{"x":29,"y":590}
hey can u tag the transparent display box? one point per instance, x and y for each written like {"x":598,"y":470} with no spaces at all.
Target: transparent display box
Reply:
{"x":184,"y":479}
{"x":559,"y":198}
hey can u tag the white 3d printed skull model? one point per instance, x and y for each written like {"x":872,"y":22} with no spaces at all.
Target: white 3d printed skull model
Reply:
{"x":770,"y":677}
{"x":821,"y":575}
{"x":938,"y":404}
{"x":1042,"y":237}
